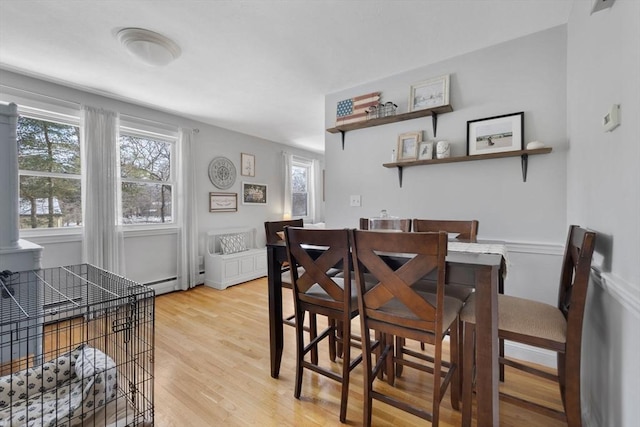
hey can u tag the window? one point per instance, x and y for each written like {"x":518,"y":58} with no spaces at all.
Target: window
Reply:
{"x":49,"y":169}
{"x":147,"y":178}
{"x":301,"y":173}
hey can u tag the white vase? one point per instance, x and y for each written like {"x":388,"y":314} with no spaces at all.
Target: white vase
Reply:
{"x":443,"y":150}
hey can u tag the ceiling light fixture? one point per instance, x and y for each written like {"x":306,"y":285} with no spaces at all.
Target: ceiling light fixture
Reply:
{"x":149,"y":47}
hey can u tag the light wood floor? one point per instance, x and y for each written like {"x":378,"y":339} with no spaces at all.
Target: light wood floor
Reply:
{"x":212,"y":369}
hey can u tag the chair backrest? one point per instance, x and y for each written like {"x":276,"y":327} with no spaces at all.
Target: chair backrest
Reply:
{"x":574,"y":280}
{"x":423,"y":253}
{"x":467,"y":230}
{"x":272,"y":228}
{"x":319,"y":252}
{"x":388,"y":224}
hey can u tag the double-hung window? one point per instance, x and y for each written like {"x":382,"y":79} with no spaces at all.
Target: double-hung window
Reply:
{"x":147,"y":177}
{"x":301,"y":188}
{"x":49,"y":165}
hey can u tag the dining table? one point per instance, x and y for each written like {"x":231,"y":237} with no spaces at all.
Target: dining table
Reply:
{"x":471,"y":264}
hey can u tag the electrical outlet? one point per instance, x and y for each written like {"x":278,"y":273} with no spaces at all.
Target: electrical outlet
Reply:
{"x":354,"y":200}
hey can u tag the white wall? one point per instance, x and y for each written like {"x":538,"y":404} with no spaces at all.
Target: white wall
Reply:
{"x":527,"y":74}
{"x":151,"y":256}
{"x":604,"y":194}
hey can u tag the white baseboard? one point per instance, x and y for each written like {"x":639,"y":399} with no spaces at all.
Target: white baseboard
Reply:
{"x":530,"y":354}
{"x":164,"y":286}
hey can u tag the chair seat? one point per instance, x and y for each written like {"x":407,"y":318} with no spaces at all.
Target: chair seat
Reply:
{"x":524,"y":317}
{"x":451,"y":309}
{"x":459,"y":292}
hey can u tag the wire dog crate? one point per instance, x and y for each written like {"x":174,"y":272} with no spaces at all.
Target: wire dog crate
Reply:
{"x":76,"y":348}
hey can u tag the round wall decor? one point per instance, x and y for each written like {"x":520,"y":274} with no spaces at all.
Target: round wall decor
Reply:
{"x":222,"y":172}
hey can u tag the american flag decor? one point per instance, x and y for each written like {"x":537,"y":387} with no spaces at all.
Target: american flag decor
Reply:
{"x":355,"y":109}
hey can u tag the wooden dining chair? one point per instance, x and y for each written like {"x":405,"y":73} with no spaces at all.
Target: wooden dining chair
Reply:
{"x":388,"y":224}
{"x":393,"y":307}
{"x":317,"y":293}
{"x":556,"y":328}
{"x":464,"y":230}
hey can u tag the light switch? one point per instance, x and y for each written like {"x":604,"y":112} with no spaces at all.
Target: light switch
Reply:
{"x":355,"y":200}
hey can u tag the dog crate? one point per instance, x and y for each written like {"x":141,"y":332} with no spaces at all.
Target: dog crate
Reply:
{"x":76,"y":348}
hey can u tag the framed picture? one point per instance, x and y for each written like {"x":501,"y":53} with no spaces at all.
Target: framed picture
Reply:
{"x":223,"y":202}
{"x":254,"y":194}
{"x":495,"y":134}
{"x":408,"y":145}
{"x":247,"y":164}
{"x":425,"y":150}
{"x":429,"y":94}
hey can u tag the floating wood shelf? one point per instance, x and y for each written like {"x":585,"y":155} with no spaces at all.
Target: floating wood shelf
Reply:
{"x":523,"y":154}
{"x":433,"y":112}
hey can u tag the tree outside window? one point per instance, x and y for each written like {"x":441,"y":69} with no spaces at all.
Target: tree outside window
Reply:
{"x":50,"y":180}
{"x":146,"y":175}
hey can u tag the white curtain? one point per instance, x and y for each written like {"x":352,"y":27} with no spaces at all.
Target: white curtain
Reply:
{"x":287,"y":159}
{"x":316,"y":195}
{"x":188,"y":266}
{"x":102,"y":243}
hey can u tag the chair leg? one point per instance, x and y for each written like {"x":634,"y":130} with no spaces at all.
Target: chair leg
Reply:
{"x":389,"y":360}
{"x":570,"y":390}
{"x":313,"y":333}
{"x":467,"y":379}
{"x":378,"y":351}
{"x":332,"y":340}
{"x":368,"y":376}
{"x":400,"y":343}
{"x":299,"y":352}
{"x":437,"y":382}
{"x":346,"y":368}
{"x":455,"y":365}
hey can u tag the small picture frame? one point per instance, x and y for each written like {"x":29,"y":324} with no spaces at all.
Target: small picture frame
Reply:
{"x":425,"y":150}
{"x":431,"y":93}
{"x":223,"y":202}
{"x":408,"y":146}
{"x":254,"y":193}
{"x":495,"y":134}
{"x":247,"y":164}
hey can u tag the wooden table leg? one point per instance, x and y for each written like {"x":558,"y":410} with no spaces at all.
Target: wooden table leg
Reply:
{"x":276,"y":338}
{"x":487,"y":344}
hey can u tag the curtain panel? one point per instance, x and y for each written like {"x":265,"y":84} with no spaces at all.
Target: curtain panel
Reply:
{"x":188,"y":268}
{"x":102,"y":243}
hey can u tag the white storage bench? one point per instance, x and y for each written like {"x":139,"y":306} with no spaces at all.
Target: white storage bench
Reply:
{"x":232,"y":257}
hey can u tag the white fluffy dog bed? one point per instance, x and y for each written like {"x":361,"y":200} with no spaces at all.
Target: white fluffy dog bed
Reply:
{"x":61,"y":392}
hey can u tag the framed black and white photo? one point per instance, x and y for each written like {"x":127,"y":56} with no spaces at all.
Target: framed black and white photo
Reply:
{"x":223,"y":202}
{"x":495,"y":134}
{"x":429,"y":94}
{"x":408,"y":146}
{"x":425,"y":150}
{"x":247,"y":164}
{"x":254,"y":194}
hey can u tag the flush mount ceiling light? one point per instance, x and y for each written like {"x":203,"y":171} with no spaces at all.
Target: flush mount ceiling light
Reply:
{"x":149,"y":47}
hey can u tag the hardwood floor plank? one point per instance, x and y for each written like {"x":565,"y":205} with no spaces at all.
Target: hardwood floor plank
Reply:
{"x":212,"y":369}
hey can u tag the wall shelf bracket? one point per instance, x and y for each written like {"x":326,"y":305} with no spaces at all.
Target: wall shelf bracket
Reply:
{"x":524,"y":160}
{"x":434,"y":122}
{"x":400,"y":175}
{"x":342,"y":133}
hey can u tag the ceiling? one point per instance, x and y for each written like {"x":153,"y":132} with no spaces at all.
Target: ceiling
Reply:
{"x":259,"y":67}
